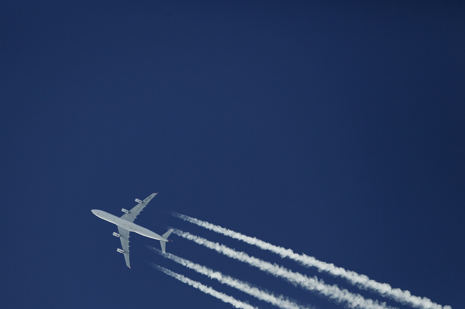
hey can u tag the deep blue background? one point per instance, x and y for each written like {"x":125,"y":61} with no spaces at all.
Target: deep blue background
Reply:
{"x":330,"y":127}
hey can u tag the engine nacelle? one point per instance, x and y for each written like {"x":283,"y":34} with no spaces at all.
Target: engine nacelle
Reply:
{"x":116,"y":234}
{"x":138,"y":201}
{"x":120,"y":250}
{"x":125,"y":210}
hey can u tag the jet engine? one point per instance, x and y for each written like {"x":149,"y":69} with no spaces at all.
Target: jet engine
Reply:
{"x":125,"y":210}
{"x":120,"y":250}
{"x":116,"y":234}
{"x":138,"y":201}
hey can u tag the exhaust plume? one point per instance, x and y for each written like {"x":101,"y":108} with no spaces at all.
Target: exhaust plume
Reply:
{"x":206,"y":289}
{"x":361,"y":281}
{"x":310,"y":283}
{"x":279,"y":301}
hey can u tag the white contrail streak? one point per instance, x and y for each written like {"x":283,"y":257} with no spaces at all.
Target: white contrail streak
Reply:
{"x":312,"y":284}
{"x":362,"y":281}
{"x":279,"y":301}
{"x":206,"y":289}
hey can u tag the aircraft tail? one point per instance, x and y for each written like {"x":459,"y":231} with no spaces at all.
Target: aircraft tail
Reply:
{"x":162,"y":242}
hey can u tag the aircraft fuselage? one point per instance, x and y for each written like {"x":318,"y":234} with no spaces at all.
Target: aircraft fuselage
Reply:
{"x":130,"y":226}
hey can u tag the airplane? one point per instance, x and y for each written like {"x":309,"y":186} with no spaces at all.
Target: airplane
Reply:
{"x":125,"y":225}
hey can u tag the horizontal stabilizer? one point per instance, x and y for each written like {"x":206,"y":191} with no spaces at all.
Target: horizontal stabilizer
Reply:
{"x":167,"y":234}
{"x":163,"y":246}
{"x":162,"y":242}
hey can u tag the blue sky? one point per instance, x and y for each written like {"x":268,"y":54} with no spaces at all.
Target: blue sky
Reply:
{"x":332,"y":128}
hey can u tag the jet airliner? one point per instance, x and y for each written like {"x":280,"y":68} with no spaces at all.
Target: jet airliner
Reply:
{"x":126,"y":224}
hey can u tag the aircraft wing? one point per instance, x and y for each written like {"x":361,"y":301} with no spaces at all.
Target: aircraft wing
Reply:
{"x":124,"y":236}
{"x":134,"y":212}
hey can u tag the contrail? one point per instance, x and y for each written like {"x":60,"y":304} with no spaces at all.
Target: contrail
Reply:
{"x":206,"y":289}
{"x":279,"y":301}
{"x":362,"y":281}
{"x":312,"y":284}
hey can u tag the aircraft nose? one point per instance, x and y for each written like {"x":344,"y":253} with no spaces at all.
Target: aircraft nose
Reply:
{"x":94,"y":211}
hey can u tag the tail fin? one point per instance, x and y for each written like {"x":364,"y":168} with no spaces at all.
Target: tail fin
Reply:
{"x":162,"y":242}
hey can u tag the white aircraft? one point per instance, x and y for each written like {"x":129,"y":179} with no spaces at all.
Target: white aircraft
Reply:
{"x":125,"y":225}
